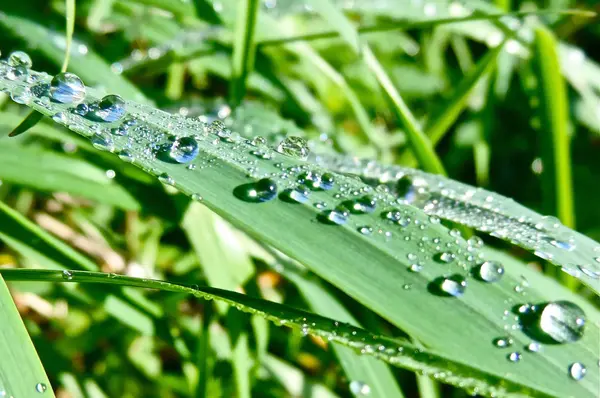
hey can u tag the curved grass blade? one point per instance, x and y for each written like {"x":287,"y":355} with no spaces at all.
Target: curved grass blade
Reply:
{"x":393,"y":351}
{"x":554,"y":117}
{"x":30,"y":120}
{"x":21,"y":372}
{"x":370,"y":267}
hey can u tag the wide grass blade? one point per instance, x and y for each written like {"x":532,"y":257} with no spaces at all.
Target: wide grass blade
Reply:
{"x":21,"y":372}
{"x":371,"y":268}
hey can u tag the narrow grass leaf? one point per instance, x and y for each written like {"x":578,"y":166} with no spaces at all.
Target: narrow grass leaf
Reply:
{"x":554,"y":132}
{"x":70,"y":28}
{"x":30,"y":120}
{"x":244,"y":49}
{"x":21,"y":372}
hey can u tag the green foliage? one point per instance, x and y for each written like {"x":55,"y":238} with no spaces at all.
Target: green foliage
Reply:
{"x":300,"y":206}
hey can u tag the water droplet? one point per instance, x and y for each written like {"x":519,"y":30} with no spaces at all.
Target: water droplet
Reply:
{"x":219,"y":129}
{"x":260,"y":191}
{"x":475,"y":241}
{"x":20,"y":58}
{"x":363,"y":205}
{"x":41,"y":388}
{"x":514,"y":356}
{"x":337,"y":217}
{"x":415,"y":267}
{"x":68,"y":275}
{"x":82,"y":109}
{"x":17,"y":73}
{"x":299,"y":194}
{"x":316,"y":181}
{"x":534,"y":347}
{"x":296,"y":147}
{"x":359,"y":388}
{"x":110,"y":108}
{"x":444,"y":257}
{"x":503,"y":342}
{"x":365,"y":230}
{"x":491,"y":271}
{"x":434,"y":219}
{"x":21,"y":94}
{"x":103,"y":142}
{"x":577,"y":371}
{"x":454,"y":285}
{"x":196,"y":197}
{"x":258,"y":141}
{"x":166,"y":179}
{"x":555,"y":322}
{"x":126,"y":156}
{"x":67,"y":88}
{"x":179,"y":150}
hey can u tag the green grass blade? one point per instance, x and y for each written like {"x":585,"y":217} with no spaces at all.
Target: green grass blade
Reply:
{"x":70,"y":24}
{"x":554,"y":131}
{"x":336,"y":18}
{"x":370,"y":268}
{"x":30,"y":120}
{"x":420,"y":144}
{"x":396,"y":352}
{"x":21,"y":372}
{"x":244,"y":49}
{"x":47,"y":171}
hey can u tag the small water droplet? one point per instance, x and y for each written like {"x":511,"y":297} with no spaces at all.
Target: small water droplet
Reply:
{"x":577,"y":371}
{"x":503,"y":342}
{"x":336,"y":216}
{"x":260,"y":191}
{"x":110,"y":108}
{"x":17,"y":73}
{"x":126,"y":156}
{"x":67,"y":88}
{"x":196,"y":197}
{"x":491,"y":271}
{"x":103,"y":142}
{"x":68,"y":275}
{"x":365,"y":230}
{"x":82,"y":109}
{"x":316,"y":181}
{"x":534,"y":346}
{"x":218,"y":128}
{"x":21,"y":94}
{"x":514,"y":356}
{"x":166,"y":179}
{"x":415,"y":267}
{"x":363,"y":205}
{"x":41,"y":388}
{"x":258,"y":141}
{"x":444,"y":257}
{"x":359,"y":388}
{"x":296,"y":147}
{"x":299,"y":194}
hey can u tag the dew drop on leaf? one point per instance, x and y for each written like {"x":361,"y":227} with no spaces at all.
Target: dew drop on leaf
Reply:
{"x":41,"y":388}
{"x":166,"y":179}
{"x":363,"y":205}
{"x":20,"y":58}
{"x":555,"y":322}
{"x":444,"y":257}
{"x":68,"y":275}
{"x":110,"y":108}
{"x":180,"y":150}
{"x":534,"y":346}
{"x":514,"y":356}
{"x":577,"y":371}
{"x":260,"y":191}
{"x":359,"y":388}
{"x":503,"y":342}
{"x":21,"y":94}
{"x":103,"y":142}
{"x":299,"y":194}
{"x":67,"y":88}
{"x":336,"y":217}
{"x":491,"y":271}
{"x":454,"y":285}
{"x":296,"y":147}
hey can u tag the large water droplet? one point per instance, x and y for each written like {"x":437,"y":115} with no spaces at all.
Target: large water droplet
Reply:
{"x":262,"y":190}
{"x":67,"y":88}
{"x":359,"y":388}
{"x":21,"y":94}
{"x":110,"y":108}
{"x":555,"y":322}
{"x":296,"y":147}
{"x":491,"y":271}
{"x":19,"y":58}
{"x":179,"y":150}
{"x":577,"y":371}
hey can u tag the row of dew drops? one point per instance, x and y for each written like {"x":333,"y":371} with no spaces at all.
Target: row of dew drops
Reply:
{"x":556,"y":322}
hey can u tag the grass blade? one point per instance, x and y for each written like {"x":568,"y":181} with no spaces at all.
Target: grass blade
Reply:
{"x":555,"y":126}
{"x":70,"y":23}
{"x":396,"y":352}
{"x":420,"y":144}
{"x":21,"y":372}
{"x":30,"y":120}
{"x":244,"y":49}
{"x":336,"y":18}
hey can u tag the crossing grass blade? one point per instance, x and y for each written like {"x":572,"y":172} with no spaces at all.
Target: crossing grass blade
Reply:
{"x":244,"y":49}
